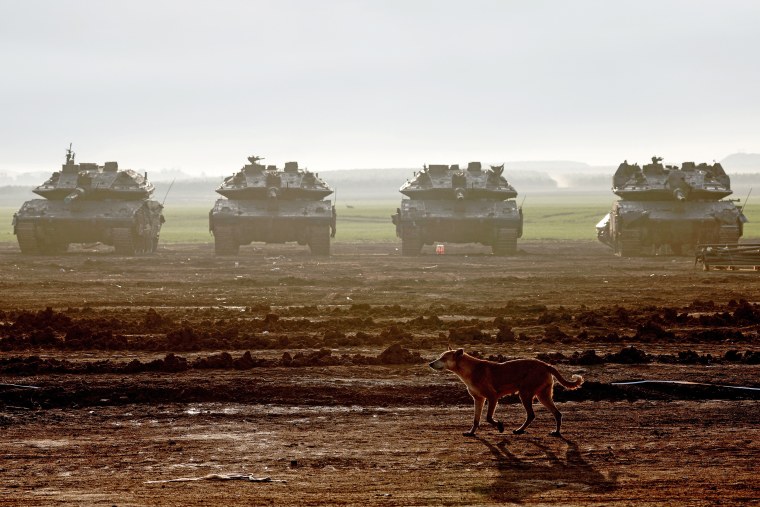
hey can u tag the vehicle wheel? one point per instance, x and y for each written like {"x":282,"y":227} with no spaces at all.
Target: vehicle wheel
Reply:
{"x":728,"y":235}
{"x":505,"y":242}
{"x":27,"y":239}
{"x":629,"y":243}
{"x":224,"y":241}
{"x":319,"y":241}
{"x":123,"y":241}
{"x":411,"y":242}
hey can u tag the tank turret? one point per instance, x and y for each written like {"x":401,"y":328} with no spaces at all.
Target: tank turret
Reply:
{"x":88,"y":203}
{"x":91,"y":181}
{"x":667,"y":209}
{"x":266,"y":204}
{"x":450,"y":182}
{"x":655,"y":182}
{"x":449,"y":204}
{"x":257,"y":181}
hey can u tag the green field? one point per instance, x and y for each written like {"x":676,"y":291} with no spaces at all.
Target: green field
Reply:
{"x":554,"y":217}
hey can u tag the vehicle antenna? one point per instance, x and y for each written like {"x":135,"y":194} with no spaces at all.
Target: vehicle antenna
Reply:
{"x":167,"y":191}
{"x":745,"y":200}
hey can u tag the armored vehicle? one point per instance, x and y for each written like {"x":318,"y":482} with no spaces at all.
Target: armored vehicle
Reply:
{"x":88,"y":203}
{"x":667,"y":208}
{"x":265,"y":204}
{"x":449,"y":204}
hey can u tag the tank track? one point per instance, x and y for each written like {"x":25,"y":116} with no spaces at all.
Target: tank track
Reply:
{"x":30,"y":244}
{"x":27,"y":239}
{"x":126,"y":242}
{"x":728,"y":234}
{"x":411,"y":242}
{"x":629,"y":243}
{"x":224,"y":241}
{"x":123,"y":241}
{"x":505,"y":242}
{"x":319,"y":240}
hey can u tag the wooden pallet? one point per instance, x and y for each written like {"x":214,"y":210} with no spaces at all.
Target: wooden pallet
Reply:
{"x":731,"y":257}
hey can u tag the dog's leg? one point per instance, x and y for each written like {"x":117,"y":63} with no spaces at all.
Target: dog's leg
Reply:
{"x":492,"y":403}
{"x":527,"y":401}
{"x":545,"y":397}
{"x":479,"y":402}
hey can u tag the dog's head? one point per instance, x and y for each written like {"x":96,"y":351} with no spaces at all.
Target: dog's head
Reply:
{"x":447,"y":360}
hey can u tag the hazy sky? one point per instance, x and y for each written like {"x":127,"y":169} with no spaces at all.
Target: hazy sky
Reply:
{"x":198,"y":86}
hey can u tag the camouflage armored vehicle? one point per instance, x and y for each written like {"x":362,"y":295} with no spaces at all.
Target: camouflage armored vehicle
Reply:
{"x":265,"y":204}
{"x":88,"y":203}
{"x":666,"y":209}
{"x":449,"y":204}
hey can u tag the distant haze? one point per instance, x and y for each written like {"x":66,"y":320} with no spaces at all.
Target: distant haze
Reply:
{"x":197,"y":86}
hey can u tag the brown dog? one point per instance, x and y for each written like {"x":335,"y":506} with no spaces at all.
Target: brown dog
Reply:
{"x":488,"y":380}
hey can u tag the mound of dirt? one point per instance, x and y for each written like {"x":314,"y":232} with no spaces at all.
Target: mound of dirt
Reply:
{"x":651,"y":332}
{"x":171,"y":363}
{"x":362,"y":324}
{"x":396,"y":354}
{"x":468,"y":334}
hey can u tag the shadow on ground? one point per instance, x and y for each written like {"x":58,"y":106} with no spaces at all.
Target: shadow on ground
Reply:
{"x":544,"y":470}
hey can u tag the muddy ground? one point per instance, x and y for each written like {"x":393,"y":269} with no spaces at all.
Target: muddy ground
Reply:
{"x":119,"y":373}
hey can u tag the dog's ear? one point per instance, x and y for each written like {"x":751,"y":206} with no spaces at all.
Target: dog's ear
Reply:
{"x":458,"y":353}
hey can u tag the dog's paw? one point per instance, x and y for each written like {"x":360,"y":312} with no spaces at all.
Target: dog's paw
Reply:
{"x":468,"y":434}
{"x":555,"y":434}
{"x":500,"y":426}
{"x":518,"y":432}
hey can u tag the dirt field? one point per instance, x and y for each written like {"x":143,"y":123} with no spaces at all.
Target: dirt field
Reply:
{"x":119,"y":374}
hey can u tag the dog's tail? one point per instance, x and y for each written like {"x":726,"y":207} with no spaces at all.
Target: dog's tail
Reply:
{"x":575,"y":384}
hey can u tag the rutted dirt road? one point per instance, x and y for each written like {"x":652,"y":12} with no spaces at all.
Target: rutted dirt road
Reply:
{"x":119,"y":372}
